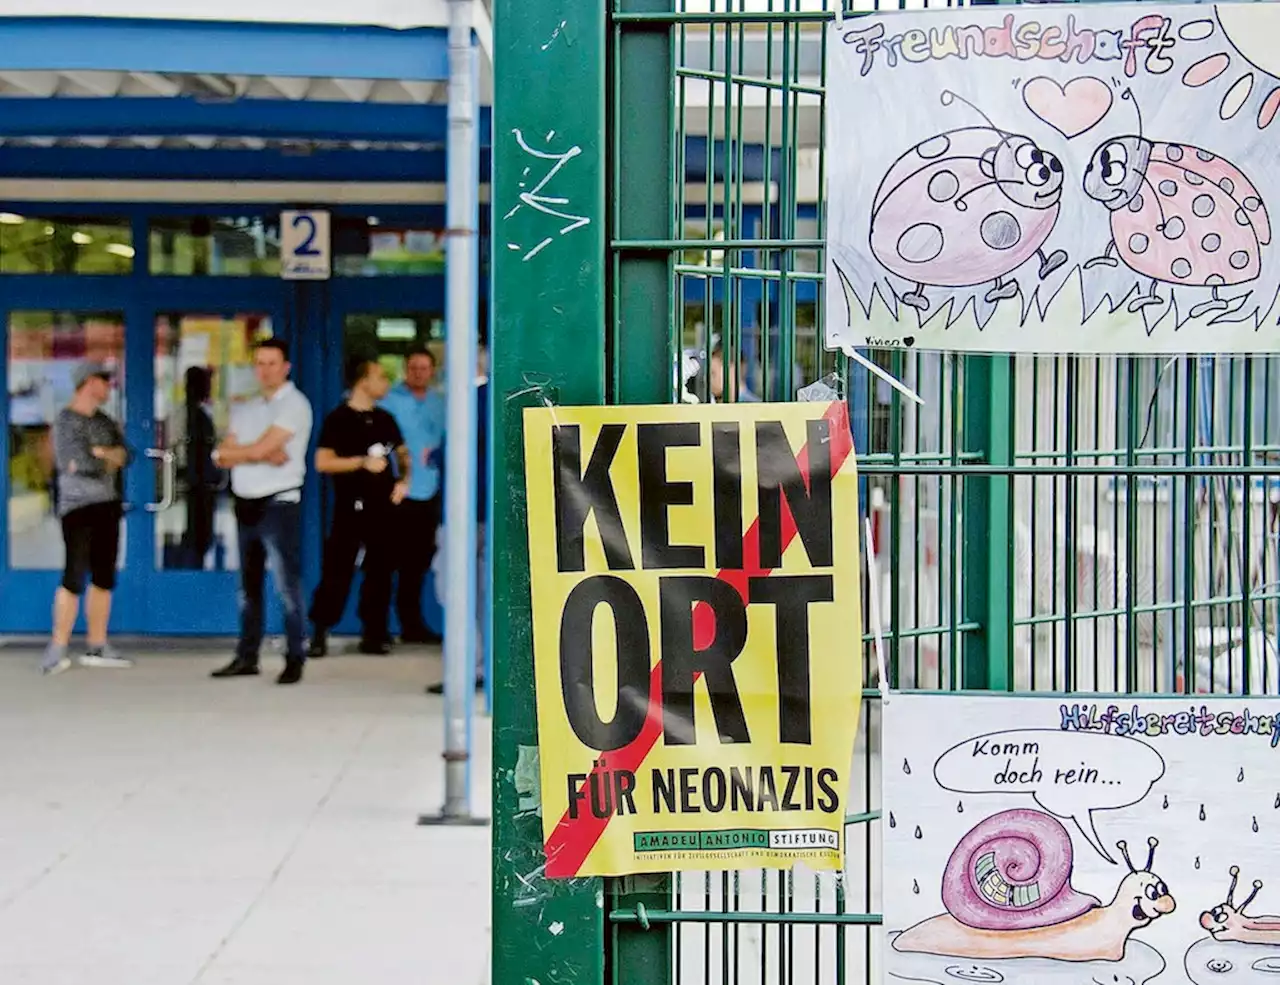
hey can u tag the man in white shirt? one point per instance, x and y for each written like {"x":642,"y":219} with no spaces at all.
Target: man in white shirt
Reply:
{"x":266,"y":451}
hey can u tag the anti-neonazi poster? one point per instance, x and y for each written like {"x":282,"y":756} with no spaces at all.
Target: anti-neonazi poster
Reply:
{"x":696,"y":634}
{"x":1081,"y":839}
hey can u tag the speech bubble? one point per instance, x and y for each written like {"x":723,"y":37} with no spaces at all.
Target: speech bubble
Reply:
{"x":1070,"y":774}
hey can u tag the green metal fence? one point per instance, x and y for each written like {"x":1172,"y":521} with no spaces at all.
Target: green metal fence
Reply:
{"x":1043,"y":523}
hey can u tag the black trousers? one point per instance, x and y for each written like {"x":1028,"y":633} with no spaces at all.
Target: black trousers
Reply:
{"x":417,"y":521}
{"x":372,"y":529}
{"x":198,"y":537}
{"x":92,"y":538}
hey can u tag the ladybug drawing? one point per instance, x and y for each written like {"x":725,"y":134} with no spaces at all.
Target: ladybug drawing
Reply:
{"x":966,"y":207}
{"x":1179,"y":215}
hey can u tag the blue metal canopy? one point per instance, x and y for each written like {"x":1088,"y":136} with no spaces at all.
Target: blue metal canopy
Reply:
{"x":272,"y":163}
{"x":279,"y":161}
{"x":303,"y":119}
{"x":213,"y":110}
{"x":303,"y":50}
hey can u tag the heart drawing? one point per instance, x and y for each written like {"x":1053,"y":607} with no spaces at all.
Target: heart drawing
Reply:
{"x":1071,"y":110}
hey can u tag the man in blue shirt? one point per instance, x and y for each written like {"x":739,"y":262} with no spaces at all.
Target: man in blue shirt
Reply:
{"x":482,"y":514}
{"x":420,"y":413}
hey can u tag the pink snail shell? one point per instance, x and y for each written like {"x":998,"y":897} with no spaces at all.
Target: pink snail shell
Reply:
{"x":1012,"y":871}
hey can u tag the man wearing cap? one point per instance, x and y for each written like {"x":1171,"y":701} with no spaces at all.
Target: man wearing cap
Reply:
{"x":90,"y":452}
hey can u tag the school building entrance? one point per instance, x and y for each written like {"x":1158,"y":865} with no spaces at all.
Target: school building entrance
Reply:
{"x":145,"y":164}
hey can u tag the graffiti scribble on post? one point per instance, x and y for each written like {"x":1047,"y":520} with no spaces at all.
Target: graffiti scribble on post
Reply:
{"x":536,"y":199}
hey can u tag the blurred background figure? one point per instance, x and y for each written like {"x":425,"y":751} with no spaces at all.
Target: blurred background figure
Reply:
{"x":358,"y":441}
{"x":419,"y":411}
{"x":482,"y":530}
{"x":203,"y":478}
{"x":266,"y":450}
{"x":690,"y":369}
{"x":90,"y":453}
{"x":716,"y":378}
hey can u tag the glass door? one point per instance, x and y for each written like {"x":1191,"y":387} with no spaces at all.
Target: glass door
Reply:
{"x":43,"y":349}
{"x":203,"y":365}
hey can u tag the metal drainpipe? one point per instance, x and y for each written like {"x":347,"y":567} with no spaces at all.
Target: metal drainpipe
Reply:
{"x":461,"y":342}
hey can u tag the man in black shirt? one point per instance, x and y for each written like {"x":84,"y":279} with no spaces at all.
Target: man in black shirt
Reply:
{"x":355,"y":445}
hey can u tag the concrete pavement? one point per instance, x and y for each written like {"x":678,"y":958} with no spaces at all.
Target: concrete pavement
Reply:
{"x":161,"y":828}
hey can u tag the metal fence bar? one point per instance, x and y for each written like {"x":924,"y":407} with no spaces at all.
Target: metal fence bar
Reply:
{"x":1046,"y":523}
{"x":641,"y":132}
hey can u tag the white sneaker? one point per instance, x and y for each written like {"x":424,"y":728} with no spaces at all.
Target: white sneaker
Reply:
{"x":104,"y":656}
{"x":55,"y":660}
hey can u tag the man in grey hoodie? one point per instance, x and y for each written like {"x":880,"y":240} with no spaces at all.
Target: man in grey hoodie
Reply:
{"x":90,"y":453}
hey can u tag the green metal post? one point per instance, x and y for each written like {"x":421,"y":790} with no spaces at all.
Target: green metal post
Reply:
{"x":642,"y":194}
{"x":549,"y":331}
{"x":988,"y":524}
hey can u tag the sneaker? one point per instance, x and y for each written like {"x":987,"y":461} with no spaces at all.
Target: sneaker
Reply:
{"x":55,"y":659}
{"x":104,"y":656}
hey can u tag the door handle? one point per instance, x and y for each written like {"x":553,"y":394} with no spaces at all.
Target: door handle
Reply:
{"x":169,"y":483}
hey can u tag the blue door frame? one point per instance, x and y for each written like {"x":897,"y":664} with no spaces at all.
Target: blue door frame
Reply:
{"x":309,"y":315}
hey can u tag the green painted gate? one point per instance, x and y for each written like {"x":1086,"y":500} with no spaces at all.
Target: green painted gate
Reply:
{"x":1108,"y":524}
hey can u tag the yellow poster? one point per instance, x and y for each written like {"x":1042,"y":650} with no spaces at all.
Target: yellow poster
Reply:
{"x":697,"y":634}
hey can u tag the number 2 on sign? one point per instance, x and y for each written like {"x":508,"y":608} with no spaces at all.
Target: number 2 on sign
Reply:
{"x":307,"y":247}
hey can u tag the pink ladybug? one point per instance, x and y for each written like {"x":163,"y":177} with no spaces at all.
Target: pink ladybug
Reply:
{"x":965,"y":207}
{"x":1179,"y":215}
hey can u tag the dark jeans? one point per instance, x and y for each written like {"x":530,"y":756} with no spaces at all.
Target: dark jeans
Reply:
{"x":352,"y":529}
{"x":270,"y":536}
{"x":416,"y":522}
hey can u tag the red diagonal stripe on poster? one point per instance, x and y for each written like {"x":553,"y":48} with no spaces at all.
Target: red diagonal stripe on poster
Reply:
{"x":572,"y":840}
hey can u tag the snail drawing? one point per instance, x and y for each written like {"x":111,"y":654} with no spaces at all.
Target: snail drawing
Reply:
{"x":1227,"y":921}
{"x":1008,"y":894}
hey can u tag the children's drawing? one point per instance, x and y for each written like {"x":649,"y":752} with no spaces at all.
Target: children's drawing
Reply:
{"x":966,"y":207}
{"x":1008,"y":893}
{"x":1072,"y":109}
{"x":1092,"y":841}
{"x":1057,"y":218}
{"x":1238,"y":946}
{"x":1179,"y":215}
{"x":1227,"y":922}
